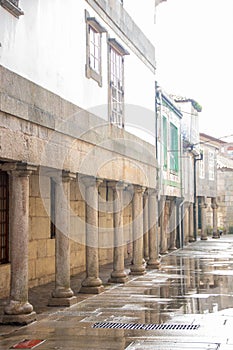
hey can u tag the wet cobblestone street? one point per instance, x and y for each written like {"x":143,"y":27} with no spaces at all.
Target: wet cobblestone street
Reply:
{"x":193,"y":287}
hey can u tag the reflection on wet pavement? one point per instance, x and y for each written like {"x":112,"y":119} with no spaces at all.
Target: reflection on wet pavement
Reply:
{"x":193,"y":286}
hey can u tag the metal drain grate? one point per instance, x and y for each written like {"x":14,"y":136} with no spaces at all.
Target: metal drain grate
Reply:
{"x":146,"y":327}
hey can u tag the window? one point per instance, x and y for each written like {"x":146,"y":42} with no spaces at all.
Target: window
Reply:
{"x":4,"y":218}
{"x":164,"y":142}
{"x":52,"y":208}
{"x":93,"y":54}
{"x":202,"y":167}
{"x":174,"y":159}
{"x":95,"y":48}
{"x":211,"y":165}
{"x":12,"y":6}
{"x":116,"y":85}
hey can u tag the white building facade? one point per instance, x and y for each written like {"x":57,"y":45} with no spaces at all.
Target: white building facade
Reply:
{"x":78,"y":159}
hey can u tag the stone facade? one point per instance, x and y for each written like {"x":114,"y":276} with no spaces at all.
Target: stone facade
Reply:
{"x":77,"y":177}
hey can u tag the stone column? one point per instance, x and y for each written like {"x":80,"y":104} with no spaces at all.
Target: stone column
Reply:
{"x":118,"y":274}
{"x":19,"y":310}
{"x":62,"y":294}
{"x":92,"y":284}
{"x":214,"y":206}
{"x":203,"y":219}
{"x":163,"y":226}
{"x":138,"y":267}
{"x":145,"y":226}
{"x":153,"y":261}
{"x":173,"y":225}
{"x":191,"y":227}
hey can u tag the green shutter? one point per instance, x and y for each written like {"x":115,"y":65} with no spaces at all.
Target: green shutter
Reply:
{"x":174,"y":160}
{"x":165,"y":142}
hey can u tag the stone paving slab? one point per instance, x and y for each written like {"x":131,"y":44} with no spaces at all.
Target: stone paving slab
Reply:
{"x":187,"y":290}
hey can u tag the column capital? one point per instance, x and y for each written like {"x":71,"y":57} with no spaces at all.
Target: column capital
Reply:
{"x":18,"y":168}
{"x":139,"y":189}
{"x":58,"y":175}
{"x":117,"y":185}
{"x":152,"y":191}
{"x":68,"y":176}
{"x":203,"y":205}
{"x":90,"y":181}
{"x":214,"y":204}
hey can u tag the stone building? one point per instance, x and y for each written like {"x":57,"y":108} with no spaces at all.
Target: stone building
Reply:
{"x":225,"y":188}
{"x":170,"y":170}
{"x":189,"y":157}
{"x":207,"y":187}
{"x":77,"y":154}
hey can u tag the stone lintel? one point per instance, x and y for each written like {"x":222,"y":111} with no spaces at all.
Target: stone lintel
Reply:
{"x":22,"y":319}
{"x":62,"y":301}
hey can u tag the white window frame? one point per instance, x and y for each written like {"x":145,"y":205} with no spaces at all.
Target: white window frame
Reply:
{"x":202,"y":167}
{"x":116,"y":82}
{"x":211,"y":165}
{"x":94,"y":32}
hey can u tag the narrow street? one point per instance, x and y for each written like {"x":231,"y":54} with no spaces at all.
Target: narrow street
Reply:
{"x":187,"y":304}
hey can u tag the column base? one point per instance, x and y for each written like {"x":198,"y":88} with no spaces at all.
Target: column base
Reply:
{"x":62,"y":301}
{"x":191,"y":240}
{"x":172,"y":249}
{"x":118,"y":277}
{"x":164,"y":252}
{"x":216,"y":235}
{"x":153,"y":264}
{"x":22,"y":319}
{"x":204,"y":238}
{"x":137,"y":270}
{"x":91,"y":290}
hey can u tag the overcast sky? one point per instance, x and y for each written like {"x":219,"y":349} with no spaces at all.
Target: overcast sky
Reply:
{"x":194,"y":54}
